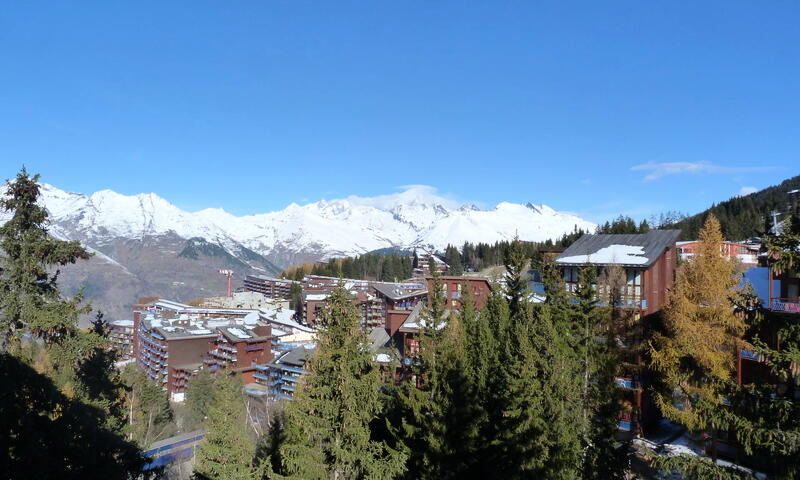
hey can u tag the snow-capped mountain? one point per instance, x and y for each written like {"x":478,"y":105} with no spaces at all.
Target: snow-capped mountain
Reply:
{"x":320,"y":230}
{"x":168,"y":251}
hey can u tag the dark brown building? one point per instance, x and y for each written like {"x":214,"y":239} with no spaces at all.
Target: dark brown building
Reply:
{"x":239,"y":349}
{"x":649,"y":262}
{"x":479,"y":289}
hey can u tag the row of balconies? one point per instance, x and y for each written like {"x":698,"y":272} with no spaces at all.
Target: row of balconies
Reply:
{"x":154,"y":351}
{"x":789,"y":305}
{"x":227,"y":348}
{"x":224,"y":355}
{"x":144,"y":336}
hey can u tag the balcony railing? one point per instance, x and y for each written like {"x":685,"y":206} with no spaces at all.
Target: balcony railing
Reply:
{"x":751,"y":355}
{"x":627,"y":383}
{"x":791,"y":305}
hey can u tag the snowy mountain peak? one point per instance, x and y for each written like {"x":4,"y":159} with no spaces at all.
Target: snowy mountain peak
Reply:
{"x":417,"y":216}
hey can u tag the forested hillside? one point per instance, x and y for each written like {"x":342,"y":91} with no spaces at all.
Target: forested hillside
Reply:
{"x":741,"y":217}
{"x":391,"y":265}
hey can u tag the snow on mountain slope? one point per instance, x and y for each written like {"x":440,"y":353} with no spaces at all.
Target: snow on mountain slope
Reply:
{"x":327,"y":228}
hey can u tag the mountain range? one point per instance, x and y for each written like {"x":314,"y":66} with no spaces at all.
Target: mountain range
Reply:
{"x":145,"y":245}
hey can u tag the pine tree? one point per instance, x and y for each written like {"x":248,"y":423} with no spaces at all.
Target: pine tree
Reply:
{"x":604,"y":457}
{"x":453,"y":260}
{"x":229,"y":449}
{"x":61,"y":399}
{"x":443,"y":417}
{"x":200,"y":396}
{"x":149,"y":412}
{"x":29,"y":295}
{"x":328,"y":423}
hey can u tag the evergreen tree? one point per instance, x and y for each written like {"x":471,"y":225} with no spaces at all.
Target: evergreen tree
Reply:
{"x":61,"y":399}
{"x":29,"y":294}
{"x":453,"y":261}
{"x":228,"y":452}
{"x":149,"y":412}
{"x":200,"y":396}
{"x":441,"y":428}
{"x":328,"y":423}
{"x":604,"y":457}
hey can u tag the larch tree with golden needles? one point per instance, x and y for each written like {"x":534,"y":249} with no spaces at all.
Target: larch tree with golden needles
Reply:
{"x":696,"y":354}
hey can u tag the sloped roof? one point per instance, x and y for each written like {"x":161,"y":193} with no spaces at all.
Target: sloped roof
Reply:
{"x":396,"y":292}
{"x":378,"y":337}
{"x":295,"y":357}
{"x":639,"y":250}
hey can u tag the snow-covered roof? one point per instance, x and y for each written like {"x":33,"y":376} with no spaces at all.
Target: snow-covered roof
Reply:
{"x":283,"y":317}
{"x":318,"y":297}
{"x":613,"y":249}
{"x":382,"y":358}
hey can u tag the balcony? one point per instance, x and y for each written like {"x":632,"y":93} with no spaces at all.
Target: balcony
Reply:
{"x":789,"y":305}
{"x":627,"y":383}
{"x":750,"y":355}
{"x":223,"y":355}
{"x":227,"y":348}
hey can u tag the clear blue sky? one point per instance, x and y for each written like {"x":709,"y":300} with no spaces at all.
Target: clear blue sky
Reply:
{"x":252,"y":105}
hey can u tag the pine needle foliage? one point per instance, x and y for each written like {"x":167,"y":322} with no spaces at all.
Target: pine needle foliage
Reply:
{"x":62,"y":399}
{"x":698,"y":351}
{"x":29,"y":295}
{"x":228,"y":451}
{"x":328,"y":432}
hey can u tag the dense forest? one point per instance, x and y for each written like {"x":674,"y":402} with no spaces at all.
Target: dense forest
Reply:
{"x":741,"y":217}
{"x":389,"y":265}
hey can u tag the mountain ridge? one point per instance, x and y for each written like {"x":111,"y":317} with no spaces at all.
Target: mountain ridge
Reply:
{"x":144,"y":245}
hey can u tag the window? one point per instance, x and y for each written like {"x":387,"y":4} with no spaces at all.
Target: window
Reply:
{"x":571,"y":275}
{"x":633,"y":287}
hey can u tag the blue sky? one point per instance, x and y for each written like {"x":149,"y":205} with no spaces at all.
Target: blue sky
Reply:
{"x":599,"y":108}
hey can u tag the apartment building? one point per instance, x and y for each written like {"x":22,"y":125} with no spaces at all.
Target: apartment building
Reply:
{"x":121,"y":336}
{"x":648,"y":262}
{"x":453,"y":289}
{"x":239,"y":349}
{"x":270,"y":287}
{"x":745,"y":252}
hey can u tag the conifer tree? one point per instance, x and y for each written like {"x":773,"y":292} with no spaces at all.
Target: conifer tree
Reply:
{"x":149,"y":412}
{"x":229,"y":449}
{"x":61,"y":399}
{"x":696,"y":356}
{"x":328,"y":423}
{"x":200,"y":396}
{"x":604,"y":457}
{"x":703,"y":333}
{"x":29,"y":295}
{"x":421,"y":431}
{"x":453,"y":260}
{"x":443,"y":416}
